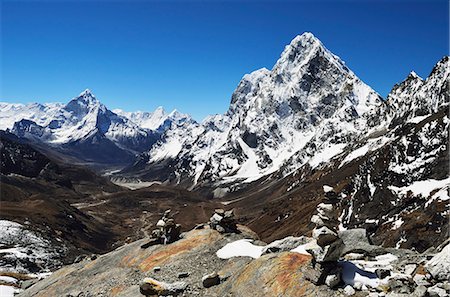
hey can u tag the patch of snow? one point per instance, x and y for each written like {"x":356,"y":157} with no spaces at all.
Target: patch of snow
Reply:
{"x":301,"y":249}
{"x":418,"y":119}
{"x":424,"y":188}
{"x":397,"y":224}
{"x":363,"y":272}
{"x":240,"y":248}
{"x":7,"y":291}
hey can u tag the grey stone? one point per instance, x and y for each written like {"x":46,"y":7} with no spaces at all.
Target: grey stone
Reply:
{"x":410,"y":269}
{"x":326,"y":254}
{"x":421,"y":279}
{"x":219,"y":211}
{"x":210,"y":280}
{"x":356,"y":241}
{"x":382,"y":273}
{"x":435,"y":291}
{"x":183,"y":274}
{"x":151,"y":286}
{"x":439,"y":265}
{"x":401,"y":285}
{"x":216,"y":218}
{"x":79,"y":258}
{"x":420,"y":291}
{"x":229,"y":214}
{"x":324,"y":236}
{"x":332,"y":280}
{"x":349,"y":291}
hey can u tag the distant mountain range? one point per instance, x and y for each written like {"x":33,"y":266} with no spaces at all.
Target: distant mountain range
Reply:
{"x":86,"y":129}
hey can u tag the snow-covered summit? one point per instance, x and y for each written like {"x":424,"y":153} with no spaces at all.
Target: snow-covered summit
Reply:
{"x":308,"y":99}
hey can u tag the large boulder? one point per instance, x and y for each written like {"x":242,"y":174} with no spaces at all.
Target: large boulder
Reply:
{"x":439,"y":265}
{"x":356,"y":241}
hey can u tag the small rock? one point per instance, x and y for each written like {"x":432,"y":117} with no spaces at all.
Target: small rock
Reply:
{"x":358,"y":286}
{"x":210,"y":280}
{"x":354,"y":256}
{"x":156,"y":268}
{"x":435,"y":291}
{"x":229,"y":214}
{"x":420,"y":291}
{"x":199,"y":226}
{"x":327,"y":188}
{"x":220,"y":229}
{"x":382,"y":273}
{"x":219,"y":211}
{"x":160,"y":223}
{"x":79,"y":258}
{"x":349,"y":291}
{"x":151,"y":286}
{"x":410,"y":269}
{"x":183,"y":274}
{"x":93,"y":257}
{"x":421,"y":280}
{"x":216,"y":218}
{"x":401,"y":285}
{"x":324,"y":236}
{"x":326,"y":254}
{"x":332,"y":280}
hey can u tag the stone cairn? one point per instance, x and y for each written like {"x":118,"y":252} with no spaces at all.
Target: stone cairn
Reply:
{"x":223,"y":221}
{"x":166,"y":231}
{"x":326,"y":252}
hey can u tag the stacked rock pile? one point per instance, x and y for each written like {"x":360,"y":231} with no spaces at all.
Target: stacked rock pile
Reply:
{"x":223,"y":221}
{"x":166,"y":231}
{"x":326,"y":253}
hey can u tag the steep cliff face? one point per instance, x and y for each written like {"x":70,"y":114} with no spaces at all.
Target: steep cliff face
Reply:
{"x":310,"y":99}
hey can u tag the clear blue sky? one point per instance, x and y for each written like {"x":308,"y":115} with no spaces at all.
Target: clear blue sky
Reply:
{"x":191,"y":55}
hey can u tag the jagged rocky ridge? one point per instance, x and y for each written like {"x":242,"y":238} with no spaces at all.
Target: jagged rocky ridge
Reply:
{"x":308,"y":109}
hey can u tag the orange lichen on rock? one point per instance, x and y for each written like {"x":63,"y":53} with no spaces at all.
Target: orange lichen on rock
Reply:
{"x":116,"y":290}
{"x":288,"y":272}
{"x":159,"y":256}
{"x":280,"y":275}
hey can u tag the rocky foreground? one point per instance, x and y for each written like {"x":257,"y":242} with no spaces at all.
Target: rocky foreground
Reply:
{"x":222,"y":258}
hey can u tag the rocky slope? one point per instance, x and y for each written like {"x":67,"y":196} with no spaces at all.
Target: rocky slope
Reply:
{"x":205,"y":262}
{"x":53,"y":212}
